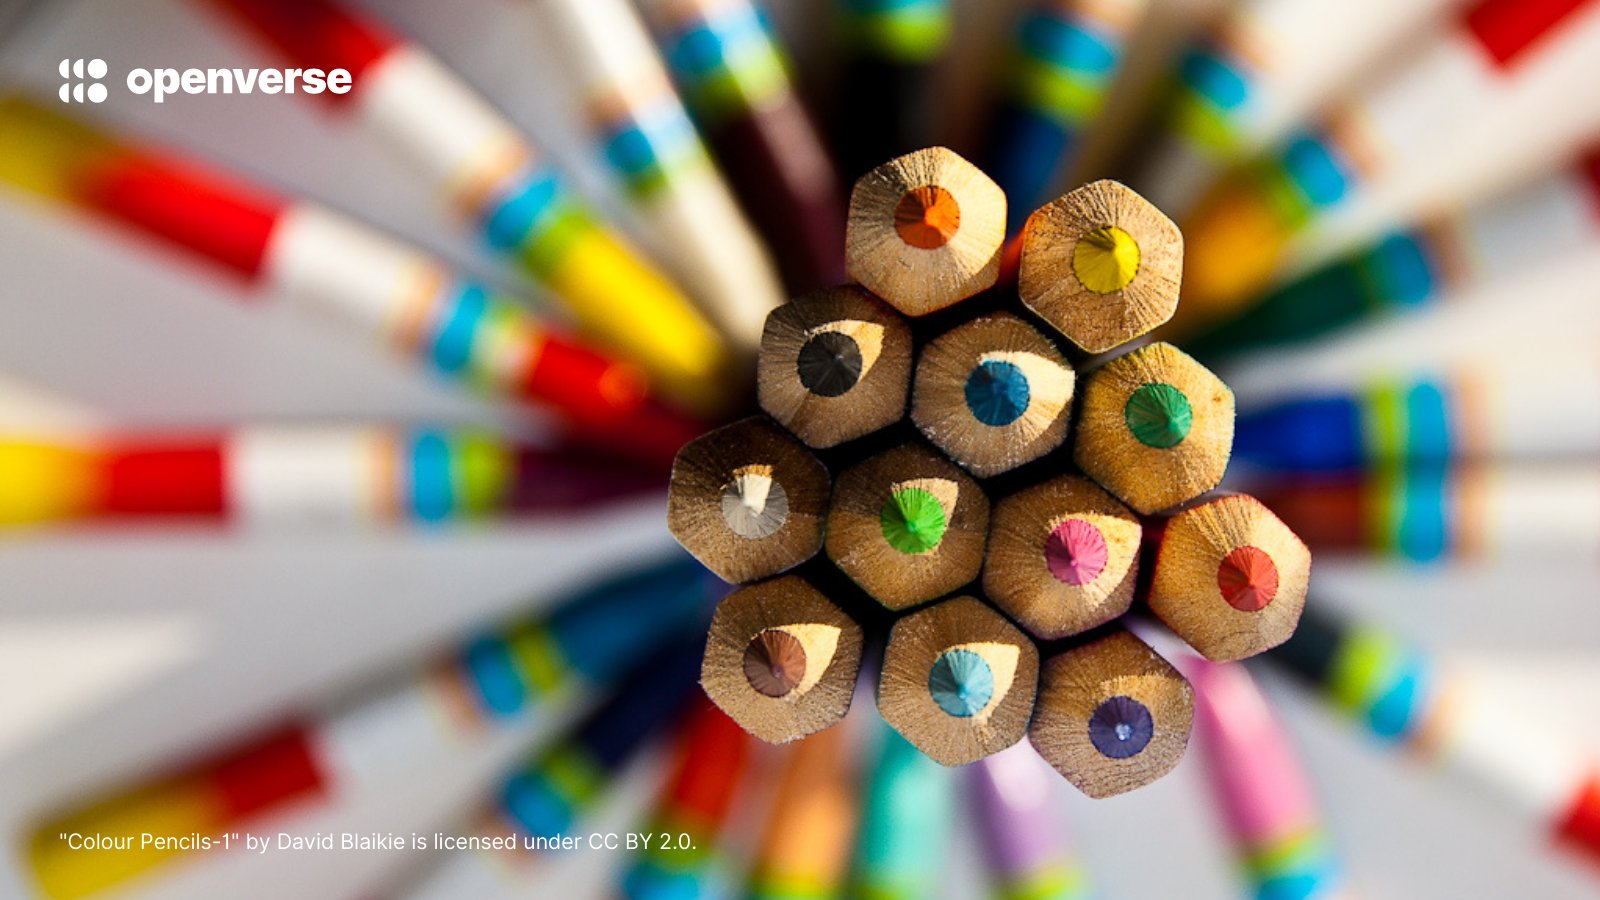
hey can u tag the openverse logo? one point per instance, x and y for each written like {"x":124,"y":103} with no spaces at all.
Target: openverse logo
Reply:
{"x":162,"y":83}
{"x":94,"y":69}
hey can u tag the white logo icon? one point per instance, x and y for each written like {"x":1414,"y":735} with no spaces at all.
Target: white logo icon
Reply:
{"x":78,"y":68}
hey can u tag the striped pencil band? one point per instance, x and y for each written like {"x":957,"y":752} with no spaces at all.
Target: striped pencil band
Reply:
{"x":1241,"y":233}
{"x":735,"y":78}
{"x":645,"y":136}
{"x":1260,"y":788}
{"x":1063,"y":59}
{"x":534,"y":666}
{"x":1426,"y":512}
{"x":1258,"y":72}
{"x":691,"y":813}
{"x":545,"y":796}
{"x":318,"y":261}
{"x":287,"y":476}
{"x":886,"y":100}
{"x":1543,"y":780}
{"x":902,"y":30}
{"x":1550,"y":217}
{"x":1549,"y":408}
{"x":492,"y":175}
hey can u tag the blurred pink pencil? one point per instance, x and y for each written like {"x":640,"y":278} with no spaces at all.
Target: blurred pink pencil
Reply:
{"x":1269,"y":807}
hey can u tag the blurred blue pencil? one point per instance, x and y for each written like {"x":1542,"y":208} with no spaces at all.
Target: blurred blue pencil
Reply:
{"x":906,"y":813}
{"x":1545,"y":407}
{"x":541,"y":801}
{"x":534,"y":666}
{"x":1062,"y":62}
{"x":1540,"y":778}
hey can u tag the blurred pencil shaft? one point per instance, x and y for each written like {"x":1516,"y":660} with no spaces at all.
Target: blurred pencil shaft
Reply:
{"x":319,"y":261}
{"x":1257,"y":781}
{"x":1387,"y":152}
{"x":1428,"y":511}
{"x":397,"y":731}
{"x":492,"y":175}
{"x":645,"y":136}
{"x":735,"y":80}
{"x":707,"y":775}
{"x":1543,"y":779}
{"x":286,"y":476}
{"x":1025,"y":842}
{"x":1496,"y":409}
{"x":1554,"y":215}
{"x":1060,"y":67}
{"x":886,"y":102}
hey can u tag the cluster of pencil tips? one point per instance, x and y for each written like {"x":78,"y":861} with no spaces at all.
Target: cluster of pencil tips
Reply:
{"x":982,"y":487}
{"x":1065,"y":556}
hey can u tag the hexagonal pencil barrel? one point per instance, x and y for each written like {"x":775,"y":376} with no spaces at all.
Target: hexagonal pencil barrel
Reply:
{"x":958,"y":681}
{"x":1155,"y":428}
{"x":907,"y":526}
{"x":1063,"y":557}
{"x":925,"y":231}
{"x":993,"y":394}
{"x":1112,"y":715}
{"x":1101,"y":265}
{"x":781,"y":659}
{"x":747,"y":500}
{"x":835,"y":365}
{"x":1229,"y":577}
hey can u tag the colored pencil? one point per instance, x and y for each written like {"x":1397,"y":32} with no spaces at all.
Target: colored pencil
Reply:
{"x":1552,"y":309}
{"x":885,"y":104}
{"x":493,"y":176}
{"x":907,"y":526}
{"x":549,"y":793}
{"x":645,"y":136}
{"x":1260,"y":788}
{"x":1026,"y":848}
{"x":804,"y":851}
{"x":834,"y":365}
{"x":958,"y":681}
{"x":1155,"y":428}
{"x":707,"y":776}
{"x":1228,"y":577}
{"x":1551,"y":216}
{"x":735,"y":78}
{"x":1492,"y":409}
{"x":1063,"y":557}
{"x":781,"y":659}
{"x":993,"y":394}
{"x":1261,"y":70}
{"x":296,"y":477}
{"x":1387,"y":151}
{"x":535,"y":666}
{"x":1112,"y":714}
{"x":748,"y":500}
{"x":906,"y":812}
{"x":316,"y":261}
{"x":1543,"y":780}
{"x":1058,"y":72}
{"x":925,"y":231}
{"x":1426,"y":512}
{"x":1101,"y":265}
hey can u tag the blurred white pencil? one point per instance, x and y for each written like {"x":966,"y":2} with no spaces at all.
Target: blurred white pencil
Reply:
{"x":646,"y":137}
{"x":1259,"y":71}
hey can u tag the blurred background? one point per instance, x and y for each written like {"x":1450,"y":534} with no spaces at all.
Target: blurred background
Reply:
{"x":1440,"y":192}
